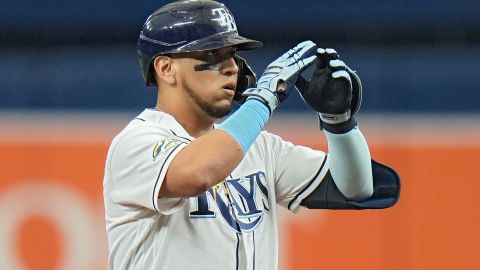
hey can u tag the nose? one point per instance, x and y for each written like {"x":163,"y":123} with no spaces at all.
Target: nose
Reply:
{"x":230,"y":67}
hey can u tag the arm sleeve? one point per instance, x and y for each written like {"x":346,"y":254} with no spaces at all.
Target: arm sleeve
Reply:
{"x":350,"y":164}
{"x":139,"y":162}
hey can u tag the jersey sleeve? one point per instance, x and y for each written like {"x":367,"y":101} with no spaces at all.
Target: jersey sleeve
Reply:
{"x":298,"y":170}
{"x":138,"y":164}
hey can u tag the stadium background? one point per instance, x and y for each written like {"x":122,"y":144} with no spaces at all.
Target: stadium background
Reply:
{"x":70,"y":80}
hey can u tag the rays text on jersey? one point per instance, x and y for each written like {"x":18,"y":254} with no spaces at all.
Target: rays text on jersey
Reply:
{"x":241,"y":206}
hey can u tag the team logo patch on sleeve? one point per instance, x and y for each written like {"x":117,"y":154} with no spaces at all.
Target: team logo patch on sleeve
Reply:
{"x":163,"y":147}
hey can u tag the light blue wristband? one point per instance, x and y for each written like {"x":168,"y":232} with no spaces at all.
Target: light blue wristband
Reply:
{"x":246,"y":123}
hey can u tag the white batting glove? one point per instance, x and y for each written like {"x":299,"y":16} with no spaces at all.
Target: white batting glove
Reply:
{"x":279,"y":78}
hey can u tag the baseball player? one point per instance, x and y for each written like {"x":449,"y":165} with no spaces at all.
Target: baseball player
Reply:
{"x":182,"y":192}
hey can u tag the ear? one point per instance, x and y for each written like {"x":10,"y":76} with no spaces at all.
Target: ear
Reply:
{"x":164,"y":70}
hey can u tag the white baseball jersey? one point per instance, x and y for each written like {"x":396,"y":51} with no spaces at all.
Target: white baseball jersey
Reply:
{"x":232,"y":226}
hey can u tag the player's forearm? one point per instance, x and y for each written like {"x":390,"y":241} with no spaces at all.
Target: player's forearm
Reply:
{"x":335,"y":92}
{"x":202,"y":164}
{"x":350,"y":164}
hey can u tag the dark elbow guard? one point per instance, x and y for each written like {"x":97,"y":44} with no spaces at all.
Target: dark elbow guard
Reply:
{"x":386,"y":192}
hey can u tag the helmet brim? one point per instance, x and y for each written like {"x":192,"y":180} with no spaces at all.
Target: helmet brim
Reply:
{"x":218,"y":41}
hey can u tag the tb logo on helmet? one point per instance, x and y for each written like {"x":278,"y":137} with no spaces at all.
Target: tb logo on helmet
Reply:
{"x":224,"y":18}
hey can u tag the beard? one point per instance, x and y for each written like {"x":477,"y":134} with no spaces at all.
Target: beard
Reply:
{"x":211,"y":110}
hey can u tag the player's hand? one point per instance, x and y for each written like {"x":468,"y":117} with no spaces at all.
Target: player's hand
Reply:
{"x":334,"y":91}
{"x":279,"y":78}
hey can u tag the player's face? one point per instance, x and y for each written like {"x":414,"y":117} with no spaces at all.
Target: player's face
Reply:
{"x":209,"y":78}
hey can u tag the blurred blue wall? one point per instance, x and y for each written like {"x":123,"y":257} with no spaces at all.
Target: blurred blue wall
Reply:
{"x":413,"y":56}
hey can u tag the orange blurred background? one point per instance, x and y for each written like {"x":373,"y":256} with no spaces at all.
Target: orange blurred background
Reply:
{"x":51,"y":201}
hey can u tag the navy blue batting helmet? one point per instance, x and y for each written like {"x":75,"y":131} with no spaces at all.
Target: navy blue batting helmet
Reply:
{"x":188,"y":26}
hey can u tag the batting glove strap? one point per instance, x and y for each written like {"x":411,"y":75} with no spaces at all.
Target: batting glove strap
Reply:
{"x":337,"y":127}
{"x":334,"y":118}
{"x":265,"y":96}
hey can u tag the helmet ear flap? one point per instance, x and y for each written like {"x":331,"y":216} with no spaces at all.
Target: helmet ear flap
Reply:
{"x":246,"y":79}
{"x":150,"y":76}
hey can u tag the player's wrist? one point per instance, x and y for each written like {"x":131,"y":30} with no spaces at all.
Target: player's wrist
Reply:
{"x":245,"y":124}
{"x":265,"y":96}
{"x":333,"y":119}
{"x":337,"y":127}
